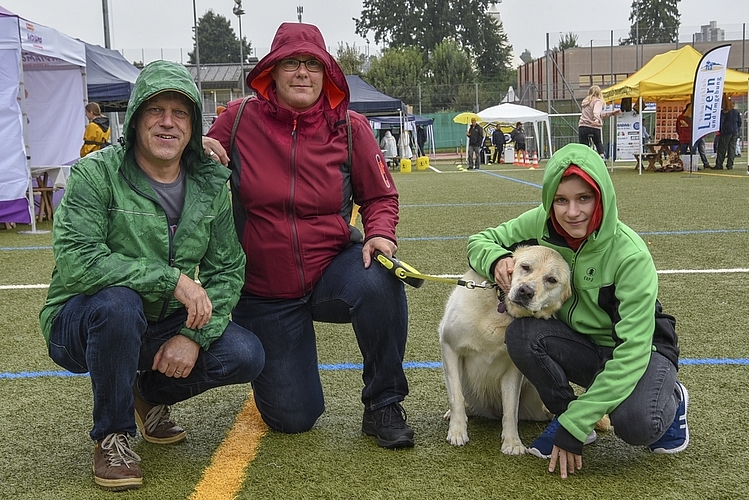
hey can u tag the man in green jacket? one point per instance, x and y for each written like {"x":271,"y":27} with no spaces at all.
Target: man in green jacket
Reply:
{"x":611,"y":337}
{"x":136,"y":224}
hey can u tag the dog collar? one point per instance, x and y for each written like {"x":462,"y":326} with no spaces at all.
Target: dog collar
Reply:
{"x":501,"y":307}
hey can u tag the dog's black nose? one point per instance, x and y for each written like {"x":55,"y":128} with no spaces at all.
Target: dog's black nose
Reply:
{"x":525,"y":293}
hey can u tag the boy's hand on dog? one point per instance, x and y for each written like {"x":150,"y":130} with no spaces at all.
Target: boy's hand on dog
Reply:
{"x":503,"y":273}
{"x":568,"y":461}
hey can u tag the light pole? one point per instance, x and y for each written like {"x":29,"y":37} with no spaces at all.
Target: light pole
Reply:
{"x":105,"y":11}
{"x":197,"y":51}
{"x":299,"y":11}
{"x":238,"y":11}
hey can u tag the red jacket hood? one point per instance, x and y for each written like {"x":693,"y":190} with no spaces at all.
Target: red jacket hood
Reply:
{"x":294,"y":39}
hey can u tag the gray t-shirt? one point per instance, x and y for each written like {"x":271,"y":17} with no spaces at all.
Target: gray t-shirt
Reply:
{"x":172,"y":197}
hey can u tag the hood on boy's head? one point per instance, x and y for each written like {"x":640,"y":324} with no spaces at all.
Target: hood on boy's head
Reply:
{"x":588,"y":161}
{"x":164,"y":76}
{"x":294,"y":39}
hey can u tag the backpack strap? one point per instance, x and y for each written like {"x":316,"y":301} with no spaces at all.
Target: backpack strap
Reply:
{"x":350,"y":139}
{"x":236,"y":123}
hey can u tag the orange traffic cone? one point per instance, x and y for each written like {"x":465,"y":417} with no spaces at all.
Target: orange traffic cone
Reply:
{"x":527,"y":159}
{"x":535,"y":160}
{"x":516,"y":161}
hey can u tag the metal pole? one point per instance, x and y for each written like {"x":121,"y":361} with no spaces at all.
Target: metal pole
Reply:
{"x":197,"y":51}
{"x":239,"y":11}
{"x":105,"y":11}
{"x":548,"y":76}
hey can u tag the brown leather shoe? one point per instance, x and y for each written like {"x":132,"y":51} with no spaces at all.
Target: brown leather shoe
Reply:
{"x":115,"y":464}
{"x":154,"y":423}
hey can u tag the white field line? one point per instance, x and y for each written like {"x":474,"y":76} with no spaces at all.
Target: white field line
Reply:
{"x":456,"y":276}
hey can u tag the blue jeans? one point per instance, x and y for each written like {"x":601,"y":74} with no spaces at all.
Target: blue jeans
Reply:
{"x":551,"y":355}
{"x":107,"y":335}
{"x":288,"y":392}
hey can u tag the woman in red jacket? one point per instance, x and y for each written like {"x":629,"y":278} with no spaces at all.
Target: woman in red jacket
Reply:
{"x":300,"y":161}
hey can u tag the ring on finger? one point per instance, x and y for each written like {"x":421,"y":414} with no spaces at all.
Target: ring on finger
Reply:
{"x":212,"y":153}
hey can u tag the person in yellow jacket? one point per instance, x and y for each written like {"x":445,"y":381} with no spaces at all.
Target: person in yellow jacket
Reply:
{"x":97,"y":132}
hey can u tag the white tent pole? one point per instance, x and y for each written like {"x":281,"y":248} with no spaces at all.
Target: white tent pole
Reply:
{"x":27,"y":151}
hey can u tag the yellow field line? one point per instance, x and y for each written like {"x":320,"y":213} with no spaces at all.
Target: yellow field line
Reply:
{"x":225,"y":475}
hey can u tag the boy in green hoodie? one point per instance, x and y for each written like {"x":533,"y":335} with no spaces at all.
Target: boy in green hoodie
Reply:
{"x":610,"y":337}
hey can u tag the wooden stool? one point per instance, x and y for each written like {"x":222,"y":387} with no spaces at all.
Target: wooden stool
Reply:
{"x":45,"y":197}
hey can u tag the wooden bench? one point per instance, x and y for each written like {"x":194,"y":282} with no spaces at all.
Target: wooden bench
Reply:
{"x":651,"y":158}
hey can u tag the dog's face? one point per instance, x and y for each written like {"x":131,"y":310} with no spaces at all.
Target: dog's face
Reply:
{"x":540,"y":283}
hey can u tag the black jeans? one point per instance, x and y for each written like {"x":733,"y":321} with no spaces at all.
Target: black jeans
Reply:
{"x":551,"y":355}
{"x":585,"y":134}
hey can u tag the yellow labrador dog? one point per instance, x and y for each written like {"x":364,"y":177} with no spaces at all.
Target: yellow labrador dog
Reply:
{"x":480,"y":377}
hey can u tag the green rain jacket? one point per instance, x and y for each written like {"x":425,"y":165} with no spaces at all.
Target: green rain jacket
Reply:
{"x":110,"y":229}
{"x":614,"y":285}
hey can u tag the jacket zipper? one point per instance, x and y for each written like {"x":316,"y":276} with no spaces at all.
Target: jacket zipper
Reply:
{"x":292,"y":215}
{"x":575,"y":295}
{"x":164,"y":308}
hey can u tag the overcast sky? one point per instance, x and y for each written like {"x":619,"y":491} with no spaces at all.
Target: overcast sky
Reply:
{"x":150,"y":29}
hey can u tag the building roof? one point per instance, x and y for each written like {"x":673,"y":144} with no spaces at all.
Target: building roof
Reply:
{"x":221,"y":76}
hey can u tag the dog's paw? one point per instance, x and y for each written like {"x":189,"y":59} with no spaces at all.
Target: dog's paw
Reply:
{"x":457,"y":431}
{"x":457,"y":438}
{"x":513,"y":447}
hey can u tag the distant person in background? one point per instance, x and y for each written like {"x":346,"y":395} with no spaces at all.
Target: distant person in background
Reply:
{"x":475,"y":136}
{"x":421,"y":139}
{"x":219,"y":109}
{"x":730,"y":125}
{"x":389,"y":146}
{"x":404,"y":143}
{"x":97,"y":132}
{"x":684,"y":131}
{"x":498,"y":141}
{"x":518,"y":136}
{"x":591,"y":120}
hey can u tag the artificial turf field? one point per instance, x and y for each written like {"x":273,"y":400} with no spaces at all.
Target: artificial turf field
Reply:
{"x":697,"y":228}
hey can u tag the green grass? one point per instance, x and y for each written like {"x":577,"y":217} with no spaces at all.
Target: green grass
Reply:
{"x":690,"y":223}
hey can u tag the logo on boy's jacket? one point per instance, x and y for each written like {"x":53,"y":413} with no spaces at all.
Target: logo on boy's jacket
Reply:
{"x":589,"y":274}
{"x":383,"y":171}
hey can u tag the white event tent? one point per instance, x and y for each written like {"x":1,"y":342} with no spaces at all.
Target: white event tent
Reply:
{"x":42,"y":95}
{"x":508,"y":113}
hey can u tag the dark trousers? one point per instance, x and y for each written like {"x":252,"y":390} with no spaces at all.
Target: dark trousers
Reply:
{"x":288,"y":392}
{"x":588,"y":134}
{"x":551,"y":355}
{"x":107,"y":335}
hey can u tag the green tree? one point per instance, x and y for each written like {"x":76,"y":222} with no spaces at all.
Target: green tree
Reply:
{"x":424,"y":25}
{"x":653,"y":21}
{"x":350,"y":59}
{"x":451,"y":77}
{"x":218,"y":43}
{"x":568,"y":41}
{"x":398,"y":73}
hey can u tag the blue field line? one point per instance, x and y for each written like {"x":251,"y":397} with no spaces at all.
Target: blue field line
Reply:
{"x":409,"y":365}
{"x":532,"y":184}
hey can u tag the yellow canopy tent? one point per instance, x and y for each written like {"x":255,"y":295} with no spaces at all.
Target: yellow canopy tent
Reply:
{"x":670,"y":76}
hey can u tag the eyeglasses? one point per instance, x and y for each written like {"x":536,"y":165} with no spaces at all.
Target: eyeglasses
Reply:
{"x":312,"y":65}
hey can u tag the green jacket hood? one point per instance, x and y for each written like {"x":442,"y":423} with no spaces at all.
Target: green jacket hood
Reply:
{"x":164,"y":76}
{"x":592,"y":164}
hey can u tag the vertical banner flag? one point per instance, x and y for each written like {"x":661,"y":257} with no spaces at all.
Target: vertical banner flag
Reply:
{"x":708,"y":91}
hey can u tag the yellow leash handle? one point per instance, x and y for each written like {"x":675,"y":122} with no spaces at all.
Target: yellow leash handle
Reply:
{"x":399,"y":269}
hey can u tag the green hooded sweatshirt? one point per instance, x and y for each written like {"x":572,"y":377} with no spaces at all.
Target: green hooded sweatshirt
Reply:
{"x":110,"y":229}
{"x":614,"y":285}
